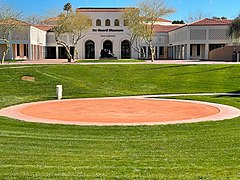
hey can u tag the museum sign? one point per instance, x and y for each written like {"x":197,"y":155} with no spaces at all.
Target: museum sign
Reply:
{"x":107,"y":30}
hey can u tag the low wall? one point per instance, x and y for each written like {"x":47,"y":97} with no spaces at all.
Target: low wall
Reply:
{"x":222,"y":54}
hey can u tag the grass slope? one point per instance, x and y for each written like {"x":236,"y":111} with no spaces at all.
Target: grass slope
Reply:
{"x":209,"y":150}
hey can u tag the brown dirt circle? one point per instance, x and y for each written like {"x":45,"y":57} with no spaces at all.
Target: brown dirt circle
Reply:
{"x":118,"y":111}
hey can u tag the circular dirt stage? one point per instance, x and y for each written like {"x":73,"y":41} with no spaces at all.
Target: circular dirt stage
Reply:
{"x":120,"y":111}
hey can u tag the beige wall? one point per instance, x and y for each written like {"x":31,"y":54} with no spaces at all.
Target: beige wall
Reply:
{"x":221,"y":54}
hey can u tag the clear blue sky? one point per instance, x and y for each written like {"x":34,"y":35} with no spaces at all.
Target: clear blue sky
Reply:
{"x":227,"y":8}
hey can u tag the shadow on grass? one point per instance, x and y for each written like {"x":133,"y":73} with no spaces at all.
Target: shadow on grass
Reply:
{"x":164,"y":67}
{"x":231,"y":94}
{"x":209,"y":70}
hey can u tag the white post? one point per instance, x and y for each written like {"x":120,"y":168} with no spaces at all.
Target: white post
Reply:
{"x":59,"y":91}
{"x":238,"y":54}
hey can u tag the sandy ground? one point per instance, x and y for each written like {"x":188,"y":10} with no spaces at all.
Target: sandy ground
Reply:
{"x":120,"y":111}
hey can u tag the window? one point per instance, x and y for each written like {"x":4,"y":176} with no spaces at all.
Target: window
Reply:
{"x":107,"y":22}
{"x":25,"y":50}
{"x":161,"y":51}
{"x":149,"y":53}
{"x":125,"y":49}
{"x":116,"y":22}
{"x":98,"y":22}
{"x":198,"y":50}
{"x":51,"y":53}
{"x":18,"y":49}
{"x":215,"y":46}
{"x":90,"y":50}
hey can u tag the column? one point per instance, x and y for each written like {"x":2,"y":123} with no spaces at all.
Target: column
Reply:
{"x":12,"y":56}
{"x":206,"y":50}
{"x":188,"y":52}
{"x":30,"y":52}
{"x":56,"y":51}
{"x":173,"y":52}
{"x":185,"y":52}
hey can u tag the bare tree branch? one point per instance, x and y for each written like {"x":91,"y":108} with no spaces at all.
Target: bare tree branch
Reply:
{"x":141,"y":22}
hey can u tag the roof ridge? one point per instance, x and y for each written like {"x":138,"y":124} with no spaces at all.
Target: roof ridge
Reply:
{"x":197,"y":21}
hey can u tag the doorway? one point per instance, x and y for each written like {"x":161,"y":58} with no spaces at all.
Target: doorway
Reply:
{"x":125,"y":49}
{"x":108,"y":46}
{"x":89,"y":50}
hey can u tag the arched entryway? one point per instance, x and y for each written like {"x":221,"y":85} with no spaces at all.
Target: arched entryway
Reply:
{"x":89,"y":50}
{"x":108,"y":46}
{"x":125,"y":49}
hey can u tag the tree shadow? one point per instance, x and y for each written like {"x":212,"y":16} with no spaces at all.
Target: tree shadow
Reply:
{"x":204,"y":71}
{"x":165,"y":66}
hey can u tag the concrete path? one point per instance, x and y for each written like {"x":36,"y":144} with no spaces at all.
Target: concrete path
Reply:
{"x":64,"y":61}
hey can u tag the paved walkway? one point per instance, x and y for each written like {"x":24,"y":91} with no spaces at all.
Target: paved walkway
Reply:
{"x":64,"y":61}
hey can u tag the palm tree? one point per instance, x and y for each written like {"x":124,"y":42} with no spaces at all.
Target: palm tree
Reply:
{"x":234,"y":28}
{"x":67,"y":7}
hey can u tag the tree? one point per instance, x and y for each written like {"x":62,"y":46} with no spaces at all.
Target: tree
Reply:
{"x":196,"y":17}
{"x":234,"y":28}
{"x":141,"y":22}
{"x":67,"y":7}
{"x":8,"y":24}
{"x":219,"y":18}
{"x":178,"y":22}
{"x":34,"y":19}
{"x":133,"y":21}
{"x":72,"y":24}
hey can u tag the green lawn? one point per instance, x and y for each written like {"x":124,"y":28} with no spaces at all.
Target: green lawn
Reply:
{"x":207,"y":150}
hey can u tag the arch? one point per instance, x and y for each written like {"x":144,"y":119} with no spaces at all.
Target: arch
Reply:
{"x":116,"y":22}
{"x":107,"y":22}
{"x":98,"y":22}
{"x":125,"y":49}
{"x":89,"y":49}
{"x":108,"y":45}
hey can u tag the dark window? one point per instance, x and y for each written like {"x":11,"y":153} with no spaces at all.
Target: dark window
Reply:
{"x":25,"y":50}
{"x":51,"y":53}
{"x":98,"y":22}
{"x":191,"y":49}
{"x":18,"y":49}
{"x":62,"y":52}
{"x":108,"y":45}
{"x":215,"y":46}
{"x":116,"y":22}
{"x":89,"y":50}
{"x":156,"y":52}
{"x":149,"y":53}
{"x":198,"y":49}
{"x":161,"y":51}
{"x":125,"y":50}
{"x":107,"y":22}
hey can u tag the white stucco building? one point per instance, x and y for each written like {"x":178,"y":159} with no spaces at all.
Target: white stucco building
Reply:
{"x":27,"y":42}
{"x":108,"y":31}
{"x":195,"y":40}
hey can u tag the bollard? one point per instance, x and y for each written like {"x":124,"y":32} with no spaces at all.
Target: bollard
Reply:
{"x":59,"y":91}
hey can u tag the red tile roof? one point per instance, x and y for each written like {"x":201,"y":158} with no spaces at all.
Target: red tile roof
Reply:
{"x":12,"y":21}
{"x":162,"y":20}
{"x":101,"y":9}
{"x":211,"y":22}
{"x":43,"y":27}
{"x":166,"y":28}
